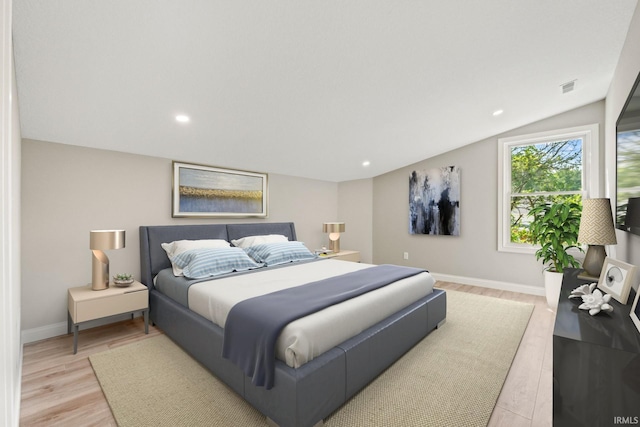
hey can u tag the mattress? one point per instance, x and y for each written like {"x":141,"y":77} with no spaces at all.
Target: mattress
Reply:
{"x":310,"y":336}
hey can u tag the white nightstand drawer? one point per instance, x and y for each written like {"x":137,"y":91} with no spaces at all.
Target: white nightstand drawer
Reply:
{"x":85,"y":304}
{"x":353,"y":256}
{"x":111,"y":305}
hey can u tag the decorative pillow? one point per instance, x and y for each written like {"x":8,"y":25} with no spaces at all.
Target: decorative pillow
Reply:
{"x":245,"y":242}
{"x":279,"y":253}
{"x":208,"y":262}
{"x":179,"y":246}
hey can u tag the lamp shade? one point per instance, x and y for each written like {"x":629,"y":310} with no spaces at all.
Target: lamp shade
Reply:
{"x":333,"y":227}
{"x":596,"y":223}
{"x":106,"y":239}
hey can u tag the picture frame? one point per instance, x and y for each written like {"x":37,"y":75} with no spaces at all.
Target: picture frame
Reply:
{"x":201,"y":191}
{"x":635,"y":310}
{"x":434,"y":201}
{"x":615,"y":279}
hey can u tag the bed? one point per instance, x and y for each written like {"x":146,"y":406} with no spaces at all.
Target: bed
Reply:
{"x":301,"y":396}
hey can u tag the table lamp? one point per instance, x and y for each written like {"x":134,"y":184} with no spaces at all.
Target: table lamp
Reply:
{"x":101,"y":240}
{"x":334,"y":229}
{"x":596,"y":230}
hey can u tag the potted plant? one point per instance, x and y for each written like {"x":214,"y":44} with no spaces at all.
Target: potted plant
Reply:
{"x":123,"y":279}
{"x":555,"y":228}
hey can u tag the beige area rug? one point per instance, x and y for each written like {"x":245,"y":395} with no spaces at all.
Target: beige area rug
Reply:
{"x":451,"y":378}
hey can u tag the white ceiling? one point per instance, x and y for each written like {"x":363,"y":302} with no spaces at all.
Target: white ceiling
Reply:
{"x":306,"y":88}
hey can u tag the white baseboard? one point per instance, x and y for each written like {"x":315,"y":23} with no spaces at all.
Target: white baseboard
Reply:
{"x":44,"y":332}
{"x":57,"y":329}
{"x":492,"y":284}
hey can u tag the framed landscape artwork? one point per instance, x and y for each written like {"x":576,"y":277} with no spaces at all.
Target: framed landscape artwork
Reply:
{"x":209,"y":192}
{"x":434,"y":201}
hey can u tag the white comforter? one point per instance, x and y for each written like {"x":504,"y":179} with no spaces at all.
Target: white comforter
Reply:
{"x":310,"y":336}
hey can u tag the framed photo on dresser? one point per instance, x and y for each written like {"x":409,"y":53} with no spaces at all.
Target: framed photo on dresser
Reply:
{"x":616,"y":278}
{"x":635,"y":311}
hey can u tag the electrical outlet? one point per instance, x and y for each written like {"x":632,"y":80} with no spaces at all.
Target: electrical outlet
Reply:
{"x":406,"y":255}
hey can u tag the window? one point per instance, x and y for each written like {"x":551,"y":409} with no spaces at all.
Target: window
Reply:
{"x":550,"y":166}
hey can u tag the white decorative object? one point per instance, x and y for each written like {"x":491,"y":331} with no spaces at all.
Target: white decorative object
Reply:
{"x":586,"y":289}
{"x":596,"y":302}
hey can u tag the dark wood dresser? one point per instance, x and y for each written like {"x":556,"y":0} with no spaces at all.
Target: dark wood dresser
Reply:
{"x":596,"y":363}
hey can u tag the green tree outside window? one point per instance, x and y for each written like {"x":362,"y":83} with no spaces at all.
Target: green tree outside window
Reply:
{"x":545,"y":172}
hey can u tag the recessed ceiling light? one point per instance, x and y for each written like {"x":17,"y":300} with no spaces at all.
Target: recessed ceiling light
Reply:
{"x":498,"y":112}
{"x":366,"y":163}
{"x":182,"y":118}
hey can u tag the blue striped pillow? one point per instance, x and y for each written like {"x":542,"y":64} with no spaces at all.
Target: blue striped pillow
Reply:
{"x":201,"y":263}
{"x":279,"y":253}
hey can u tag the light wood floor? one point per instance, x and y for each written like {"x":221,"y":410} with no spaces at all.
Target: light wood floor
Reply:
{"x":526,"y":399}
{"x":60,"y":388}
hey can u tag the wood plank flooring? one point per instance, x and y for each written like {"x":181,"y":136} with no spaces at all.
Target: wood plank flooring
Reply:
{"x":60,"y":388}
{"x":527,"y":395}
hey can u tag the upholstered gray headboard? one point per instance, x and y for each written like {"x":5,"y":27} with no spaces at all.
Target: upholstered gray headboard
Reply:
{"x":153,"y":258}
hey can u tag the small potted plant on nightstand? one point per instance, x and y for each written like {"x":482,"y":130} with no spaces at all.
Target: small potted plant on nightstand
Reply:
{"x":555,"y":228}
{"x":122,"y":280}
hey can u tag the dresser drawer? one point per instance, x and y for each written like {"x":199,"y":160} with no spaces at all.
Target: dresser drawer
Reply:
{"x":90,"y":309}
{"x":353,"y":256}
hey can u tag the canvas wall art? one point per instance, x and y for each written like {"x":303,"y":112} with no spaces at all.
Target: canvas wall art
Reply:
{"x":434,"y":201}
{"x":206,"y":191}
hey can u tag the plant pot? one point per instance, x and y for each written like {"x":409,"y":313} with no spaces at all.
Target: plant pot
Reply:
{"x":122,"y":283}
{"x":552,"y":285}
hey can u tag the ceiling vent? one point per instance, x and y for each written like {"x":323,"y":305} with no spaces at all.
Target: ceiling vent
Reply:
{"x":568,"y":87}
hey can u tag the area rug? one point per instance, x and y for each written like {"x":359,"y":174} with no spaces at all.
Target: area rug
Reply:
{"x":453,"y":377}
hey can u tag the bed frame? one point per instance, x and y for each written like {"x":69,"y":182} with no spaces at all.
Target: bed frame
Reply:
{"x":300,"y":397}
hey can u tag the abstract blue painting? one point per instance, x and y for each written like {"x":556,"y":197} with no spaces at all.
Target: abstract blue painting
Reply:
{"x":434,"y":201}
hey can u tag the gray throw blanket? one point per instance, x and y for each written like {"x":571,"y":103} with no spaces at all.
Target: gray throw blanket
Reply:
{"x":254,"y":325}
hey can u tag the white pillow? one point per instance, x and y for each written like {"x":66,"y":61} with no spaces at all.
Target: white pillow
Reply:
{"x":279,"y":253}
{"x":179,"y":246}
{"x":209,"y":262}
{"x":245,"y":242}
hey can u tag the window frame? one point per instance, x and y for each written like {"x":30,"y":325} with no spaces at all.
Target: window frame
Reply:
{"x":590,"y":174}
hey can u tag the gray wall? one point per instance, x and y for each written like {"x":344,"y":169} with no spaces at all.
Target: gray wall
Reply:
{"x":68,"y":191}
{"x":628,"y":247}
{"x":355,"y":208}
{"x":473,"y":256}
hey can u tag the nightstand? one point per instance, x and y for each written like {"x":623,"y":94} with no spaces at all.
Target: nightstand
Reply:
{"x":86,"y":304}
{"x":353,"y":256}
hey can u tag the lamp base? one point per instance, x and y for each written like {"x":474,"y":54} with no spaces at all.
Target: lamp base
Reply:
{"x":100,"y":271}
{"x":99,"y":286}
{"x":593,"y":261}
{"x":585,"y":276}
{"x":334,"y":245}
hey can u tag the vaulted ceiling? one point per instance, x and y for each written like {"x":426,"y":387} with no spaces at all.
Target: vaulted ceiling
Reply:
{"x":306,"y":88}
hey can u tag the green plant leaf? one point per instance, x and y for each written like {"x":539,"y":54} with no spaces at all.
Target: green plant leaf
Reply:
{"x":555,"y":228}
